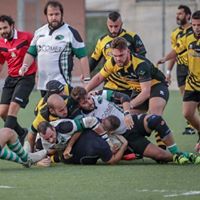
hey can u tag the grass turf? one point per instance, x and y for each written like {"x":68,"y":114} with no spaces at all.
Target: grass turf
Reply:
{"x":138,"y":180}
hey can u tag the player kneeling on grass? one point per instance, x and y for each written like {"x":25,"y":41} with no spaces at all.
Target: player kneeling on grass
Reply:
{"x":15,"y":151}
{"x":87,"y":147}
{"x":144,"y":124}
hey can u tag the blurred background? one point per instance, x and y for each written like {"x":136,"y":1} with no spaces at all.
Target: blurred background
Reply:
{"x":152,"y":20}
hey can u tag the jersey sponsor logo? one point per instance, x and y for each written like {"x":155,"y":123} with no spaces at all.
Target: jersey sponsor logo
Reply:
{"x":59,"y":37}
{"x":108,"y":110}
{"x":107,"y":46}
{"x":128,"y":44}
{"x":49,"y":49}
{"x":194,"y":50}
{"x":141,"y":73}
{"x":13,"y":55}
{"x":99,"y":99}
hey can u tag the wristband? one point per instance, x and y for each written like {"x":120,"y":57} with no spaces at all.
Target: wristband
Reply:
{"x":25,"y":65}
{"x":168,"y":72}
{"x":126,"y":113}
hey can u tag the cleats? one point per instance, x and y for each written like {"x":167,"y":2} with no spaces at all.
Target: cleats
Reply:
{"x":195,"y":159}
{"x":130,"y":156}
{"x":28,"y":163}
{"x":180,"y":158}
{"x":33,"y":158}
{"x":189,"y":131}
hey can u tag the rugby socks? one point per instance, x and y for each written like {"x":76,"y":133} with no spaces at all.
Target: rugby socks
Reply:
{"x":11,"y":122}
{"x":173,"y":149}
{"x":18,"y":149}
{"x":6,"y":154}
{"x":159,"y":142}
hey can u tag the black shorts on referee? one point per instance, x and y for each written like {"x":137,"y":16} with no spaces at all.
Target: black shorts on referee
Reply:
{"x":18,"y":89}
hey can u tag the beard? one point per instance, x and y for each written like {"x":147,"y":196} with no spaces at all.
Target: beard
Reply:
{"x":115,"y":34}
{"x":181,"y":22}
{"x":55,"y":24}
{"x":8,"y":35}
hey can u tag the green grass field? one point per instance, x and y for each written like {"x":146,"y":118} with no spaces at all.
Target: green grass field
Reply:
{"x":135,"y":180}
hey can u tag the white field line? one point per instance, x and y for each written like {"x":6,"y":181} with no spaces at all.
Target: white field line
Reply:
{"x":5,"y":187}
{"x":172,"y":193}
{"x":183,"y":194}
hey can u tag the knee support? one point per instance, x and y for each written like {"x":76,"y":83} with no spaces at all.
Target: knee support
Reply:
{"x":157,"y":123}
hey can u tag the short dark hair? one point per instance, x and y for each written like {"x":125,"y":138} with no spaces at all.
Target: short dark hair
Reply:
{"x":119,"y":43}
{"x":114,"y":16}
{"x":114,"y":122}
{"x":53,"y":4}
{"x":43,"y":126}
{"x":196,"y":15}
{"x":8,"y":19}
{"x":186,"y":9}
{"x":78,"y":93}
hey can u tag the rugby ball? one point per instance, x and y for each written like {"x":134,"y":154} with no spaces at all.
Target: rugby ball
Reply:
{"x":114,"y":143}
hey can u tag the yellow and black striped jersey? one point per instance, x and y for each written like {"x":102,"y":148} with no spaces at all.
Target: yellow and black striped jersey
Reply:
{"x":42,"y":115}
{"x":103,"y":47}
{"x":43,"y":100}
{"x":191,"y":44}
{"x":126,"y":78}
{"x":45,"y":115}
{"x":179,"y":32}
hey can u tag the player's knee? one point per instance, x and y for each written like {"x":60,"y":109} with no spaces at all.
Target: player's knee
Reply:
{"x":153,"y":121}
{"x":3,"y":114}
{"x":157,"y":123}
{"x":7,"y":133}
{"x":187,"y":114}
{"x":13,"y":108}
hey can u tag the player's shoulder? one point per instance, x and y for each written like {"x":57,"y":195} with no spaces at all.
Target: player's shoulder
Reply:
{"x":189,"y":31}
{"x":104,"y":37}
{"x":42,"y":29}
{"x":128,"y":33}
{"x":177,"y":29}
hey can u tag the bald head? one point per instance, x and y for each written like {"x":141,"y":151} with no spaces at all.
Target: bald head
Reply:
{"x":57,"y":105}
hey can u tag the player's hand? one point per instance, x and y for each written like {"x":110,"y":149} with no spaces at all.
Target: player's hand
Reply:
{"x":128,"y":121}
{"x":23,"y":70}
{"x":161,"y":61}
{"x":67,"y":153}
{"x":46,"y":162}
{"x":168,"y":78}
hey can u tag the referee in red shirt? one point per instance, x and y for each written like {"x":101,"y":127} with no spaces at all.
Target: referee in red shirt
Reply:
{"x":16,"y":89}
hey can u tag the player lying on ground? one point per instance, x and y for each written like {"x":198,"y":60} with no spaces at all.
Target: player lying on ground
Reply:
{"x":15,"y":151}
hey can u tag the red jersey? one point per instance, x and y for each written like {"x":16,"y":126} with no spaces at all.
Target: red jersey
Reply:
{"x":13,"y":52}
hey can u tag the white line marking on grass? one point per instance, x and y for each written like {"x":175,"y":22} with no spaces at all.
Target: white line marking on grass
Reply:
{"x":154,"y":190}
{"x":5,"y":187}
{"x":183,"y":194}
